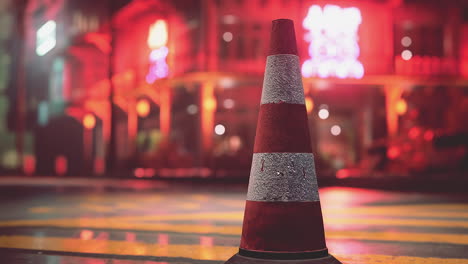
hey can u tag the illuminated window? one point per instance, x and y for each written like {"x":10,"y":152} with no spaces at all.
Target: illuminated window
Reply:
{"x":46,"y":38}
{"x":333,"y":38}
{"x":157,"y":36}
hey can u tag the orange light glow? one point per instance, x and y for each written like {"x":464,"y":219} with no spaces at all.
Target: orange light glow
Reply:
{"x":207,"y":114}
{"x":401,"y":107}
{"x":393,"y":152}
{"x":143,"y":108}
{"x":309,"y":104}
{"x":157,"y":36}
{"x":210,"y":104}
{"x":89,"y":121}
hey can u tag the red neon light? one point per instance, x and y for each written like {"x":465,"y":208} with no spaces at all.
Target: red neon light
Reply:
{"x":393,"y":152}
{"x":414,"y":132}
{"x":61,"y":165}
{"x":29,"y":164}
{"x":428,"y":135}
{"x":333,"y":37}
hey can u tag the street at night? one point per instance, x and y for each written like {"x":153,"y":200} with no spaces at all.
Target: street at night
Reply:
{"x":233,"y":132}
{"x":134,"y":222}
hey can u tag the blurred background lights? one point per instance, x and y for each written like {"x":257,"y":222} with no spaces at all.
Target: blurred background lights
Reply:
{"x":406,"y":54}
{"x":143,"y":108}
{"x":227,"y":82}
{"x":335,"y":130}
{"x":89,"y":121}
{"x":406,"y":41}
{"x":333,"y":42}
{"x":157,"y":36}
{"x":401,"y":107}
{"x":46,"y":38}
{"x":157,"y":41}
{"x":227,"y":36}
{"x":192,"y":109}
{"x":220,"y":129}
{"x":323,"y":113}
{"x":309,"y":104}
{"x":210,"y":104}
{"x":228,"y":103}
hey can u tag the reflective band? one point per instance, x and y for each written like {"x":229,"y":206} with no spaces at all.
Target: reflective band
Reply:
{"x":283,"y":80}
{"x":283,"y":177}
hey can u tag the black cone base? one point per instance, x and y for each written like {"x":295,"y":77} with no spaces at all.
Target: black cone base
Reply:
{"x":238,"y":259}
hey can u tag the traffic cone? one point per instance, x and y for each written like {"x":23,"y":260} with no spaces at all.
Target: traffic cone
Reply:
{"x":283,"y":219}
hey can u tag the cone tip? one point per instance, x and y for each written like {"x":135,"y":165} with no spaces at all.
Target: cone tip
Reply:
{"x":283,"y":38}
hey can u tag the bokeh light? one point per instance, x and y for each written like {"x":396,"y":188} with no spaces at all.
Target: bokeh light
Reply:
{"x":323,"y":113}
{"x":335,"y":130}
{"x":220,"y":129}
{"x":406,"y":55}
{"x":227,"y":36}
{"x":406,"y":41}
{"x":89,"y":121}
{"x":143,"y":108}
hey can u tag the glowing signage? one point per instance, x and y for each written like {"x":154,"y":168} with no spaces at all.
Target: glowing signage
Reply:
{"x":46,"y":38}
{"x":333,"y":39}
{"x":157,"y":40}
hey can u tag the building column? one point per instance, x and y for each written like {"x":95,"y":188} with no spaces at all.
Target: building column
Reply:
{"x":208,"y":109}
{"x":392,"y":95}
{"x":165,"y":110}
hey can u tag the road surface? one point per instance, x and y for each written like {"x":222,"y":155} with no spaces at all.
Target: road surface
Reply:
{"x":147,"y":222}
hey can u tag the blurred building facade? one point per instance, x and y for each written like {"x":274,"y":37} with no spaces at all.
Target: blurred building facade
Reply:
{"x":160,"y":88}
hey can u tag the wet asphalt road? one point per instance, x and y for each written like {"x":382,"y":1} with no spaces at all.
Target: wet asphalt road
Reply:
{"x":135,"y":222}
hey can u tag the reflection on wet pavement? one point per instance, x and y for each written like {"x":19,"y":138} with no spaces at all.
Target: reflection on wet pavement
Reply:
{"x":203,"y":226}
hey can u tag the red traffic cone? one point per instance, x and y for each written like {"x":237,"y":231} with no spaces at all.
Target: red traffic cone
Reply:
{"x":283,"y":219}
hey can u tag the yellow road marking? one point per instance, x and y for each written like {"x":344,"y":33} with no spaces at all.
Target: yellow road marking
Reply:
{"x":431,"y":211}
{"x":395,"y":222}
{"x":118,"y":247}
{"x":383,"y":259}
{"x":396,"y":211}
{"x":188,"y":206}
{"x":113,"y":222}
{"x":400,"y":237}
{"x":96,"y":207}
{"x":236,"y":230}
{"x":219,"y":253}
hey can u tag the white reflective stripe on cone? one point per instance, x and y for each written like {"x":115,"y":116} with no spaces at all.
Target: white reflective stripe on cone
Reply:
{"x":283,"y":80}
{"x":283,"y":177}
